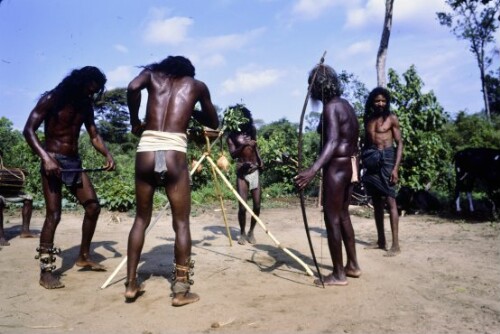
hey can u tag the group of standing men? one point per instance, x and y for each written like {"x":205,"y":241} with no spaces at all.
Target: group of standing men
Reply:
{"x":161,"y":161}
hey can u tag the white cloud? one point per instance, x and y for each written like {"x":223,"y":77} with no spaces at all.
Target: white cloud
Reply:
{"x":415,"y":12}
{"x":120,"y":48}
{"x":310,"y":9}
{"x":231,"y":41}
{"x":171,"y":31}
{"x":214,"y":60}
{"x":120,"y":76}
{"x":359,"y":48}
{"x":248,"y":81}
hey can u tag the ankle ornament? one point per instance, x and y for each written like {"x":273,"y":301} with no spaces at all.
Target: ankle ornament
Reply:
{"x":46,"y":256}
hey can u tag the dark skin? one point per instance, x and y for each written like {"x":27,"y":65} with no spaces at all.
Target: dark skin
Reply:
{"x":61,"y":137}
{"x":26,"y":216}
{"x":169,"y":107}
{"x":340,"y":131}
{"x":383,"y":133}
{"x":243,"y":147}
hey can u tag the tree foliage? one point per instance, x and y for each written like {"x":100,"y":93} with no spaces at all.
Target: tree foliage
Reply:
{"x":112,"y":117}
{"x":426,"y":157}
{"x":493,"y":87}
{"x":475,"y":21}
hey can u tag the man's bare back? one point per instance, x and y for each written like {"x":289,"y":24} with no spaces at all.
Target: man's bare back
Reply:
{"x":171,"y":101}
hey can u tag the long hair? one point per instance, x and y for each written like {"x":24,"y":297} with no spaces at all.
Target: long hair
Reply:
{"x":176,"y":66}
{"x":326,"y":84}
{"x":69,"y":90}
{"x":248,"y":127}
{"x":369,"y":112}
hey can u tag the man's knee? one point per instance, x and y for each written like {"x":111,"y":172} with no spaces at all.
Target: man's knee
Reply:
{"x":53,"y":217}
{"x":92,"y":207}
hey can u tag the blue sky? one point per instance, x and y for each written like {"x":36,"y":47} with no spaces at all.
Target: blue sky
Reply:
{"x":257,"y":52}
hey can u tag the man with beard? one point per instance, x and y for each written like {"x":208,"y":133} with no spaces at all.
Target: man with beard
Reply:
{"x":339,"y":132}
{"x":381,"y":160}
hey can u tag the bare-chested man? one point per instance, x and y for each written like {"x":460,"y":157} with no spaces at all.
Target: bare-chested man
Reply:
{"x":381,"y":160}
{"x":161,"y":160}
{"x":63,"y":110}
{"x":339,"y":131}
{"x":243,"y":148}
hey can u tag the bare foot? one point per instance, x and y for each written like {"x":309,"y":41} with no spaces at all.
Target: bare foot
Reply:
{"x":331,"y":281}
{"x":90,"y":265}
{"x":4,"y":242}
{"x":133,"y":291}
{"x":251,"y":238}
{"x":393,"y":252}
{"x":27,"y":234}
{"x":242,"y":239}
{"x":50,"y":281}
{"x":376,"y":245}
{"x":184,"y":298}
{"x":355,"y":273}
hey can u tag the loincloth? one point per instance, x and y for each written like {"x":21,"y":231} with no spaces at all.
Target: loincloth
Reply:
{"x":249,"y":172}
{"x":70,"y":162}
{"x":162,"y":141}
{"x":379,"y":165}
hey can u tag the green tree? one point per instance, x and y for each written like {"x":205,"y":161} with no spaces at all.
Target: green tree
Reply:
{"x":8,"y":138}
{"x":493,"y":88}
{"x":426,"y":156}
{"x":112,"y":116}
{"x":472,"y":131}
{"x":476,"y":22}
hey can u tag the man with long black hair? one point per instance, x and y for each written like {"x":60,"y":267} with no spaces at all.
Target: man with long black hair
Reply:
{"x":63,"y":110}
{"x":381,"y":161}
{"x":161,"y":160}
{"x":339,"y":132}
{"x":243,"y":148}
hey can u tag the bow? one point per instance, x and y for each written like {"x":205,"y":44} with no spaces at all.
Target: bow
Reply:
{"x":299,"y":165}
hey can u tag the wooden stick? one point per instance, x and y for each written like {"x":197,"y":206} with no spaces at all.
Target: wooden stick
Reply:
{"x":223,"y":177}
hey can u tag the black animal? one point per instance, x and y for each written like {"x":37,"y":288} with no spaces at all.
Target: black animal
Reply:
{"x":476,"y":165}
{"x":416,"y":201}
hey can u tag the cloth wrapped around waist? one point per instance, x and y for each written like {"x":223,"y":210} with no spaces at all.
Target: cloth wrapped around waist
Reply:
{"x":70,"y":162}
{"x":379,"y":165}
{"x":162,"y":141}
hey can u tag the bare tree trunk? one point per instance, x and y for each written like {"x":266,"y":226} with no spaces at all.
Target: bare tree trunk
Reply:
{"x":485,"y":96}
{"x":384,"y":44}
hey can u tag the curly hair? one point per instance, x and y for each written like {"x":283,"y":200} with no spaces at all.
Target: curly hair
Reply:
{"x":326,"y":84}
{"x":176,"y":66}
{"x":248,"y":127}
{"x":369,"y":112}
{"x":69,"y":90}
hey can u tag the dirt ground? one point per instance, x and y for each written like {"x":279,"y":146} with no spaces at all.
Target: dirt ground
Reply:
{"x":446,"y":280}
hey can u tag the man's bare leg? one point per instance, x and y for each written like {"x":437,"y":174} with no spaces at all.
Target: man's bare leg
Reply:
{"x":378,"y":208}
{"x":26,"y":214}
{"x":87,"y":197}
{"x":394,"y":217}
{"x":48,"y":279}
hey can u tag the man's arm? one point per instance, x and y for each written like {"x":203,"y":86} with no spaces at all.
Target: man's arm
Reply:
{"x":35,"y":119}
{"x":396,"y":135}
{"x":134,"y":100}
{"x":233,"y":151}
{"x":331,"y":142}
{"x":208,"y":115}
{"x":97,"y":141}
